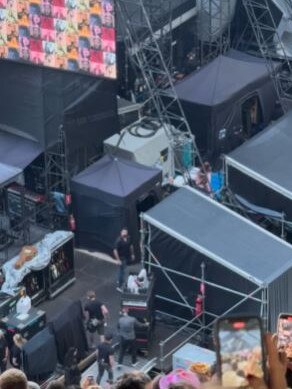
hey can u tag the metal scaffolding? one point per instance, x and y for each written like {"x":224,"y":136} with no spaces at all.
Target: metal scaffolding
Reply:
{"x":213,"y":27}
{"x":57,"y":176}
{"x":142,"y":38}
{"x":200,"y":326}
{"x":271,"y":47}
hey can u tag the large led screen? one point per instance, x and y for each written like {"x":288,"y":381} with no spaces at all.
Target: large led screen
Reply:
{"x":76,"y":35}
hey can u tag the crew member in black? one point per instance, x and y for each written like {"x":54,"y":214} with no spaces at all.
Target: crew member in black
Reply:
{"x":105,"y":359}
{"x":3,"y":352}
{"x":124,"y":254}
{"x":96,"y":314}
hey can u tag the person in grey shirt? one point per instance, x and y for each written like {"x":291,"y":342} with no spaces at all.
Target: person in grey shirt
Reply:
{"x":126,"y":326}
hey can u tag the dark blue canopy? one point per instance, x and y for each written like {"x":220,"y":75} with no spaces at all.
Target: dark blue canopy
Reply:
{"x":105,"y":197}
{"x":16,"y":152}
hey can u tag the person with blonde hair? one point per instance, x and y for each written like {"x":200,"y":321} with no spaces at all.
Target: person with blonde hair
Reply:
{"x":16,"y":351}
{"x":88,"y":383}
{"x":13,"y":379}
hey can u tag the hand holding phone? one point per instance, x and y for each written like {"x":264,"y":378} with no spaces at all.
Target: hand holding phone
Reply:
{"x":240,"y":350}
{"x":285,"y":334}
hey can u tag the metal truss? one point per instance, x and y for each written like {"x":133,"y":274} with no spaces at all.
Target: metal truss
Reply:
{"x":270,"y":45}
{"x":56,"y":171}
{"x":214,"y":28}
{"x":142,"y":38}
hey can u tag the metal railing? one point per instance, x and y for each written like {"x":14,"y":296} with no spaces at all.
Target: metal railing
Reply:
{"x":190,"y":325}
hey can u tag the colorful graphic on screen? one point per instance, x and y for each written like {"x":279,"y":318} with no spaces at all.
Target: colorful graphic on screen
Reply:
{"x":76,"y":35}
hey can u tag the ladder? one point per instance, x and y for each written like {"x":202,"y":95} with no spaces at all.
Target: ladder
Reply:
{"x":142,"y":43}
{"x":271,"y":47}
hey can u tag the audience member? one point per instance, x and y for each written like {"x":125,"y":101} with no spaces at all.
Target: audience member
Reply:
{"x":178,"y":378}
{"x":277,"y":365}
{"x":89,"y":383}
{"x":13,"y":379}
{"x":134,"y":380}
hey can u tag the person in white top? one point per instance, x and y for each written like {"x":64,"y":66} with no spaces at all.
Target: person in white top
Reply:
{"x":132,"y":285}
{"x":143,"y":279}
{"x":23,"y":305}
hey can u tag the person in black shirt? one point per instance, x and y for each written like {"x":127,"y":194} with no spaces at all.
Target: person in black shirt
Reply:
{"x":124,"y":254}
{"x":95,"y":313}
{"x":105,"y":359}
{"x":3,"y":352}
{"x":16,"y":351}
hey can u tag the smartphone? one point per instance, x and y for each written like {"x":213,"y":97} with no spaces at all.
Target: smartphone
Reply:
{"x":240,"y":349}
{"x":285,"y":333}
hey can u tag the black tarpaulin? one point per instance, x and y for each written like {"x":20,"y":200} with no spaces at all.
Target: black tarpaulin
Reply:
{"x":35,"y":365}
{"x":189,"y":228}
{"x":16,"y":152}
{"x":212,"y":98}
{"x":69,"y":330}
{"x":267,"y":159}
{"x":37,"y":100}
{"x":221,"y":79}
{"x":104,"y":200}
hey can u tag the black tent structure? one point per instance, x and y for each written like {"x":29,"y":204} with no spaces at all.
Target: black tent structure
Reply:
{"x":219,"y":98}
{"x":260,"y":170}
{"x":195,"y":245}
{"x":109,"y":195}
{"x":81,"y":104}
{"x":16,"y":153}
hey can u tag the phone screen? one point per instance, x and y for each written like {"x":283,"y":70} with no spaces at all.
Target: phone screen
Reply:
{"x":240,"y":350}
{"x":285,"y":334}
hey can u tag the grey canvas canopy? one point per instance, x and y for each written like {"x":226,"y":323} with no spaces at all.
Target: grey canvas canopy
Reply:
{"x":241,"y":260}
{"x":260,"y":170}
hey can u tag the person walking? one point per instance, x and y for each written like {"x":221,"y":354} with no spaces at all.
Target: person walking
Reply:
{"x":96,"y":314}
{"x":126,"y":326}
{"x":105,"y":359}
{"x":124,"y":254}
